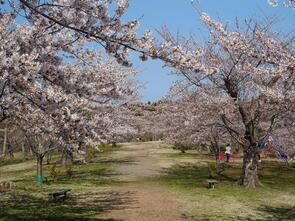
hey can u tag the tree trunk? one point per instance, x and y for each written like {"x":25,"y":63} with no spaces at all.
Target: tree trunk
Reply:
{"x":10,"y":151}
{"x":40,"y":178}
{"x":4,"y":142}
{"x":114,"y":144}
{"x":67,"y":158}
{"x":249,"y":177}
{"x":23,"y":151}
{"x":47,"y":159}
{"x":215,"y":147}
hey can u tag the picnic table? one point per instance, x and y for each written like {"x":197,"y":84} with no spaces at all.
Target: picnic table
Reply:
{"x":59,"y":194}
{"x":212,"y":183}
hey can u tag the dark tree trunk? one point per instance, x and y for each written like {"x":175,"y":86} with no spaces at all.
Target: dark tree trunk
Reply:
{"x":10,"y":151}
{"x":23,"y":152}
{"x":249,"y":177}
{"x":214,"y":147}
{"x":67,"y":157}
{"x":40,"y":168}
{"x":214,"y":150}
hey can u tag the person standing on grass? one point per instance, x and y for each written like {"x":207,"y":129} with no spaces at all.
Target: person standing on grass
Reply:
{"x":227,"y":152}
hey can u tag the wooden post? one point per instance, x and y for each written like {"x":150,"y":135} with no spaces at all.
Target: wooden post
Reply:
{"x":4,"y":141}
{"x":23,"y":151}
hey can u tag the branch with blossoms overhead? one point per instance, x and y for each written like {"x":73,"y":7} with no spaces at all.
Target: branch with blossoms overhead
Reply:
{"x":249,"y":66}
{"x":89,"y":21}
{"x":274,"y":3}
{"x":96,"y":21}
{"x":54,"y":87}
{"x":74,"y":92}
{"x":286,"y":3}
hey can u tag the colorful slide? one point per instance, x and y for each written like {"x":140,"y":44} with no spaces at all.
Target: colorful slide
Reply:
{"x":271,"y":145}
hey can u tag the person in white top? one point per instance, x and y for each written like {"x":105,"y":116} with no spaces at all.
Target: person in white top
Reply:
{"x":227,"y":152}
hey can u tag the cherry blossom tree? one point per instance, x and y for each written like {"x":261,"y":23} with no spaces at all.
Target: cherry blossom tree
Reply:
{"x":192,"y":118}
{"x":148,"y":121}
{"x":54,"y":88}
{"x":250,"y":66}
{"x":123,"y":125}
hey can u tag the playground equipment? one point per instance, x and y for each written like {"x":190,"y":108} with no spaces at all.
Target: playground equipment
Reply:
{"x":270,"y":145}
{"x":234,"y":156}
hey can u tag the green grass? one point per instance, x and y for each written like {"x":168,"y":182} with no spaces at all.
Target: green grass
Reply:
{"x":18,"y":158}
{"x":90,"y":194}
{"x":274,"y":201}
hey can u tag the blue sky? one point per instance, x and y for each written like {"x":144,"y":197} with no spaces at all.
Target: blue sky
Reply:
{"x":179,"y":15}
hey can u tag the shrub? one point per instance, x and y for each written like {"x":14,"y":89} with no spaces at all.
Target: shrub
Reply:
{"x":91,"y":153}
{"x":211,"y":169}
{"x":222,"y":148}
{"x":147,"y":136}
{"x":104,"y":145}
{"x":69,"y":170}
{"x":182,"y":147}
{"x":119,"y":145}
{"x":54,"y":172}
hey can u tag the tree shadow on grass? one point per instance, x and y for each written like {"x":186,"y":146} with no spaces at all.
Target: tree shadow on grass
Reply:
{"x":128,"y":161}
{"x":186,"y":175}
{"x":92,"y":174}
{"x":98,"y":176}
{"x":274,"y":175}
{"x":279,"y":213}
{"x":277,"y":175}
{"x":195,"y":175}
{"x":270,"y":213}
{"x":6,"y":162}
{"x":95,"y":178}
{"x":80,"y":206}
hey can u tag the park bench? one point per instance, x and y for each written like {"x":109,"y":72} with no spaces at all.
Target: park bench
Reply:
{"x":59,"y":194}
{"x":211,"y":183}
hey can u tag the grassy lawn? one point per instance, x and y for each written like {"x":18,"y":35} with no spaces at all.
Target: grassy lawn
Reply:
{"x":186,"y":178}
{"x":89,"y":197}
{"x":274,"y":201}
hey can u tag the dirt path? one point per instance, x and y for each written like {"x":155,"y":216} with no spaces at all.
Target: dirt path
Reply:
{"x":150,"y":202}
{"x":138,"y":162}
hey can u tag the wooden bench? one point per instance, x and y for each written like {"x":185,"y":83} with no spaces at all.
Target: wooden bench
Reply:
{"x":211,"y":183}
{"x":59,"y":194}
